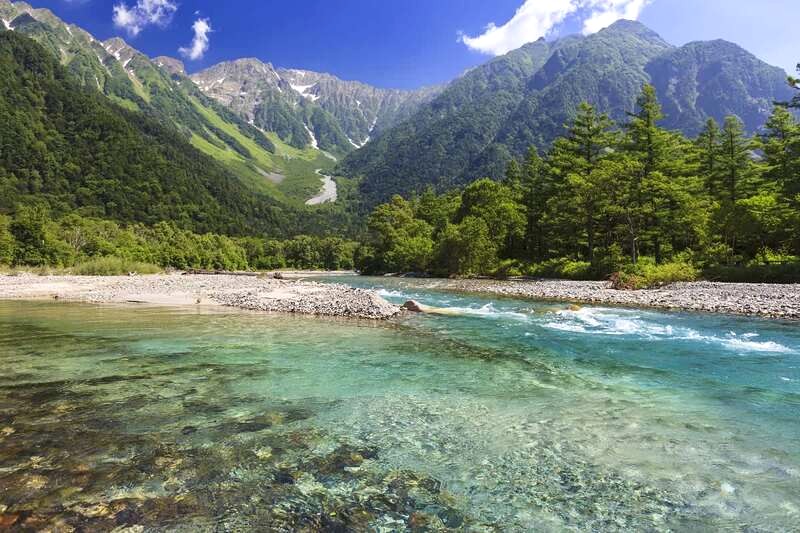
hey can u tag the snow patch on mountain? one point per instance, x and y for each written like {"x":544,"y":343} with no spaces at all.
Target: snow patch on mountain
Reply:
{"x":303,"y":90}
{"x":314,"y":142}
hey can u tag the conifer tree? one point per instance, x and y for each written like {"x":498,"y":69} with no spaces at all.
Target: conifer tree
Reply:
{"x":708,"y":151}
{"x":575,"y":159}
{"x":736,"y":165}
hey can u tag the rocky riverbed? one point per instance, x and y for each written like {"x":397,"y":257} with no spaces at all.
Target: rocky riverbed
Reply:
{"x":768,"y":300}
{"x":243,"y":292}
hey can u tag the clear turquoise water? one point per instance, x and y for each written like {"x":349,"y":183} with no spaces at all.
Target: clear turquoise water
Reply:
{"x":505,"y":415}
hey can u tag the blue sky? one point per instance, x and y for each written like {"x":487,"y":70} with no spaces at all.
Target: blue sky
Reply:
{"x":410,"y":43}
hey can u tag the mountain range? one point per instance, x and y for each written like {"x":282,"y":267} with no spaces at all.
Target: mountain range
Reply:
{"x":305,"y":107}
{"x":275,"y":129}
{"x":498,"y":110}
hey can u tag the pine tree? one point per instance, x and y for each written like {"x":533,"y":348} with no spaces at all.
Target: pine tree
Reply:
{"x":708,"y":150}
{"x":537,"y":189}
{"x":736,"y":165}
{"x":781,"y":145}
{"x":575,"y":159}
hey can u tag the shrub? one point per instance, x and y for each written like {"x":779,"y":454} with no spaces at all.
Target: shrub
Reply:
{"x":508,"y":268}
{"x":112,"y":266}
{"x":647,"y":275}
{"x":562,"y":268}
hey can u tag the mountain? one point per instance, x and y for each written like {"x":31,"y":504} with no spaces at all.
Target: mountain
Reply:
{"x":305,"y":107}
{"x":496,"y":111}
{"x":72,"y":148}
{"x":160,"y":89}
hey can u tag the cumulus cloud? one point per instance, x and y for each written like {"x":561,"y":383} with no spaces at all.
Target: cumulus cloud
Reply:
{"x":144,"y":13}
{"x":537,"y":18}
{"x":200,"y":41}
{"x":606,"y":12}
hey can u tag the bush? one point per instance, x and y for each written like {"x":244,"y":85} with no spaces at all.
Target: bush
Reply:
{"x":647,"y":275}
{"x":112,"y":266}
{"x":508,"y":268}
{"x":562,"y":268}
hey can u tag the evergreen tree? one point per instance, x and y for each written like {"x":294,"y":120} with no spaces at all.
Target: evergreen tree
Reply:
{"x":781,"y":145}
{"x":574,"y":159}
{"x":736,"y":165}
{"x":708,"y":151}
{"x":537,"y":189}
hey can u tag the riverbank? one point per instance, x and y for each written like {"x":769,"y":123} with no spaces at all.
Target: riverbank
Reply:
{"x":767,"y":300}
{"x":242,"y":292}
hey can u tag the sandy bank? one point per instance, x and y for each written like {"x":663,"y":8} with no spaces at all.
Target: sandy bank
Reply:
{"x":243,"y":292}
{"x":767,"y":300}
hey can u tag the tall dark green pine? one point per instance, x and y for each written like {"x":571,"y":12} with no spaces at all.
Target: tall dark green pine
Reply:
{"x":651,"y":191}
{"x":781,"y":146}
{"x":737,"y":168}
{"x":537,"y":189}
{"x":708,"y":151}
{"x":575,"y":160}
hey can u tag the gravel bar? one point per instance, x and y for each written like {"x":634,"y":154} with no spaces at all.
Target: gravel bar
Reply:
{"x":243,"y":292}
{"x":766,"y":300}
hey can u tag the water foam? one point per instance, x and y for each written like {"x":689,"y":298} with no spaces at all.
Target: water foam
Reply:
{"x":603,"y":321}
{"x":488,"y":311}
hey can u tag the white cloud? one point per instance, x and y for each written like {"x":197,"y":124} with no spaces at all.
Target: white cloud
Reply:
{"x":200,"y":41}
{"x":144,"y":13}
{"x":537,"y":18}
{"x":605,"y":12}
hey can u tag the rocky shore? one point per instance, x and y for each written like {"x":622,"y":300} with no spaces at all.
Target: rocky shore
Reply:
{"x":767,"y":300}
{"x":243,"y":292}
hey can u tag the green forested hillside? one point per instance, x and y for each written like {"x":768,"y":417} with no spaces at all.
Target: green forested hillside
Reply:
{"x":496,"y":111}
{"x":443,"y":137}
{"x":132,"y":80}
{"x":74,"y":149}
{"x":635,"y":200}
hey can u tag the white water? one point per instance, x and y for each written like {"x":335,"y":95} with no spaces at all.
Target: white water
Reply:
{"x":604,"y":321}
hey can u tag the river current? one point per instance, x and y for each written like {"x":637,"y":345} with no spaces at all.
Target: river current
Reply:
{"x":498,"y":415}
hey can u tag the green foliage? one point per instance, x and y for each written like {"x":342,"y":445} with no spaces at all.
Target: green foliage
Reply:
{"x":649,"y":275}
{"x":402,"y":242}
{"x":75,"y":150}
{"x":639,"y":201}
{"x":562,"y":268}
{"x":112,"y":266}
{"x":102,"y":247}
{"x":7,"y":243}
{"x":467,"y":248}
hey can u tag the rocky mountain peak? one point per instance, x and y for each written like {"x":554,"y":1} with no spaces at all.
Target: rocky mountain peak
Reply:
{"x":170,"y":64}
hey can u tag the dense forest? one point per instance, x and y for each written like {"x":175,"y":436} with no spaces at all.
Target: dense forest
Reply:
{"x":634,"y":200}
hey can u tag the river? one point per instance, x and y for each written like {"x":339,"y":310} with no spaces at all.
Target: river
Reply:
{"x":503,"y":415}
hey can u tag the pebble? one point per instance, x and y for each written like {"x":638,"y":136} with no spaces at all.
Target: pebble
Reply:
{"x":243,"y":292}
{"x":754,"y":299}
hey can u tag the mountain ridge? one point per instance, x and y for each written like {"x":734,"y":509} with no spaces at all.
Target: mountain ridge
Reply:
{"x":446,"y":145}
{"x":305,"y":106}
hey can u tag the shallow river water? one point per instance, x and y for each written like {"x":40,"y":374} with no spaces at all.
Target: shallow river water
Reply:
{"x":502,"y":415}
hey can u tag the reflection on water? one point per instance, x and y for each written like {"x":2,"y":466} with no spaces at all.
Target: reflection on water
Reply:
{"x":507,"y":416}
